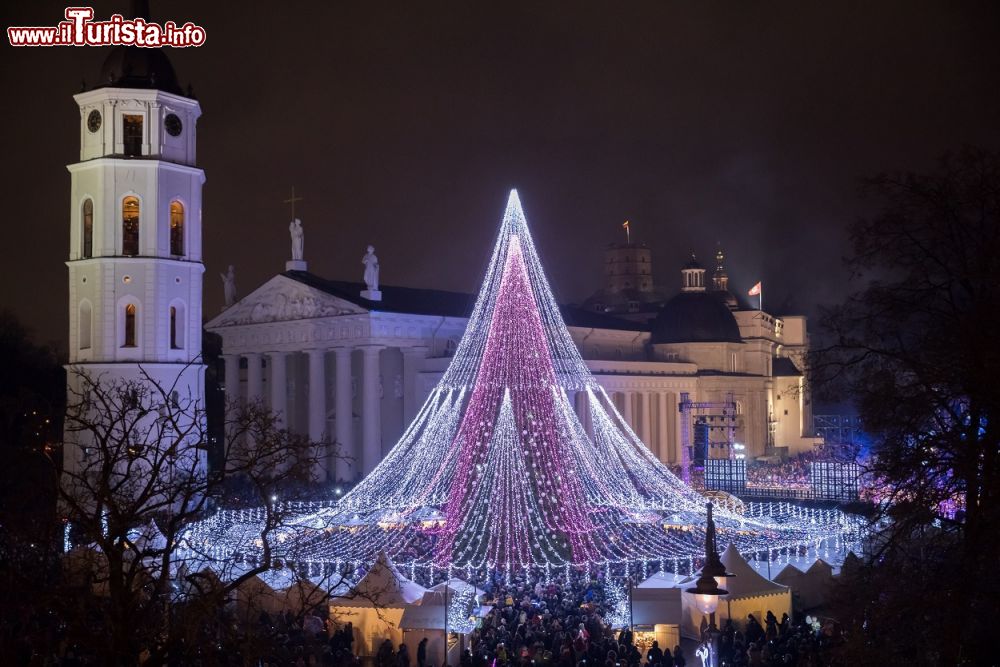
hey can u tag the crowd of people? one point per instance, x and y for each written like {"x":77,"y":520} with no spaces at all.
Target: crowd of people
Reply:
{"x":793,"y":473}
{"x":561,"y":623}
{"x":805,"y":643}
{"x":557,"y":622}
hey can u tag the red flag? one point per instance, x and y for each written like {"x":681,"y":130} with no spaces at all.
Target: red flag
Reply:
{"x":755,"y":290}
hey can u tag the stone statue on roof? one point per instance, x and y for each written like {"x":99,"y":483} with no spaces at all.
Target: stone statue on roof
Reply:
{"x":298,"y":239}
{"x":371,"y":269}
{"x":229,"y":285}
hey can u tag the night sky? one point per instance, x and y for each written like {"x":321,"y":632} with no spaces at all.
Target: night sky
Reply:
{"x":405,"y":124}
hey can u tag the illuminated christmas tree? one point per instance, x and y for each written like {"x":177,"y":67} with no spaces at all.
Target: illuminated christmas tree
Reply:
{"x":498,"y":471}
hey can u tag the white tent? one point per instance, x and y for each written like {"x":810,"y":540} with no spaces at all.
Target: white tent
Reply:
{"x":149,"y":539}
{"x":810,"y":588}
{"x":457,"y":586}
{"x":375,"y":606}
{"x":256,"y":595}
{"x":749,"y":593}
{"x":663,"y":580}
{"x":427,"y":620}
{"x":303,"y":595}
{"x":789,"y":576}
{"x":656,"y":607}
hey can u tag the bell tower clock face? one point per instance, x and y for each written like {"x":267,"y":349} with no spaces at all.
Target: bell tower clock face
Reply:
{"x":94,"y":121}
{"x":173,"y":124}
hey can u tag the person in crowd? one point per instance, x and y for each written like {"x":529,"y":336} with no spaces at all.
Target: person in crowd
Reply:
{"x":654,"y":655}
{"x":422,"y":653}
{"x":771,"y":622}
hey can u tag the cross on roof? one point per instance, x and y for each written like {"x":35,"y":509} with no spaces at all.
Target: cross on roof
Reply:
{"x":292,"y":201}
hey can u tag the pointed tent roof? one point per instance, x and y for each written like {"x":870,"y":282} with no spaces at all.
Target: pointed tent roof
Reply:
{"x":820,"y":567}
{"x":746,"y":583}
{"x":149,"y":538}
{"x":382,"y":586}
{"x":428,"y":615}
{"x":663,"y":580}
{"x":851,"y":564}
{"x":456,"y":585}
{"x":788,"y":575}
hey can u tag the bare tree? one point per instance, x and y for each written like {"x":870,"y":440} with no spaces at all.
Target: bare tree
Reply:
{"x":135,"y":480}
{"x":916,"y":349}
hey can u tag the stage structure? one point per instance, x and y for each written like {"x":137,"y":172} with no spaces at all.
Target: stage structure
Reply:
{"x":496,"y":472}
{"x":708,"y":431}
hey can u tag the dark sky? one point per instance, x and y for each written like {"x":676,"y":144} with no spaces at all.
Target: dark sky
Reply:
{"x":405,"y":123}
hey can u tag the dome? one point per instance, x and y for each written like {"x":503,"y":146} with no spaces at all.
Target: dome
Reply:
{"x":695,"y":317}
{"x":135,"y":67}
{"x":693,"y":265}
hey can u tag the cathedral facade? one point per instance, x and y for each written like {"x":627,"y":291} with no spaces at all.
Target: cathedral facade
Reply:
{"x":343,"y":363}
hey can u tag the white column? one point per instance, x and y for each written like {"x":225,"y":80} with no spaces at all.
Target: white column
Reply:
{"x":412,"y":356}
{"x":233,"y":403}
{"x":232,"y":380}
{"x":628,"y":409}
{"x":255,"y":378}
{"x":646,"y":423}
{"x":674,"y":406}
{"x":580,"y":406}
{"x":346,"y":469}
{"x":588,"y":412}
{"x":663,"y":428}
{"x":317,"y":407}
{"x":371,"y":413}
{"x":279,"y":388}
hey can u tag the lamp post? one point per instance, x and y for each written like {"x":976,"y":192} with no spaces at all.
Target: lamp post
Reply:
{"x":631,"y":621}
{"x":706,"y":590}
{"x":447,"y":583}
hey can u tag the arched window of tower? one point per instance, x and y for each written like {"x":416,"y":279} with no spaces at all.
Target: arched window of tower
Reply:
{"x":87,"y":235}
{"x":129,"y":322}
{"x":176,"y":228}
{"x":130,"y":226}
{"x":132,"y":134}
{"x":177,"y":326}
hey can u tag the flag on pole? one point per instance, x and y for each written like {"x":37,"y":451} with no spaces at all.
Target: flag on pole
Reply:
{"x":755,"y":290}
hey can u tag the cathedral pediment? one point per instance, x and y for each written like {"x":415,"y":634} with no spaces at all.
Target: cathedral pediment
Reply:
{"x":283,"y":300}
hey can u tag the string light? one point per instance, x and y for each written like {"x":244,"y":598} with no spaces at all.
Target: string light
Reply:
{"x":616,"y":603}
{"x":497,"y":471}
{"x":460,"y":609}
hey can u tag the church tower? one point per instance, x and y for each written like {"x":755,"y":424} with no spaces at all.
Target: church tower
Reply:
{"x":720,"y":281}
{"x":135,"y":263}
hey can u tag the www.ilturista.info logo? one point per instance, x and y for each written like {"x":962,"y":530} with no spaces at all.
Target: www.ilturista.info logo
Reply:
{"x":80,"y":30}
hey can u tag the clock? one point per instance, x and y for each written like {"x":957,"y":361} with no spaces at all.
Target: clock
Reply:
{"x":94,"y":121}
{"x":173,"y":124}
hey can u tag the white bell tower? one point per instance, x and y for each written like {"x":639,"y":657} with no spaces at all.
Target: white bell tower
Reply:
{"x":135,"y":264}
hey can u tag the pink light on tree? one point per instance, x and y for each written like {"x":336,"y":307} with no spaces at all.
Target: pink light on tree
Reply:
{"x":512,"y":472}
